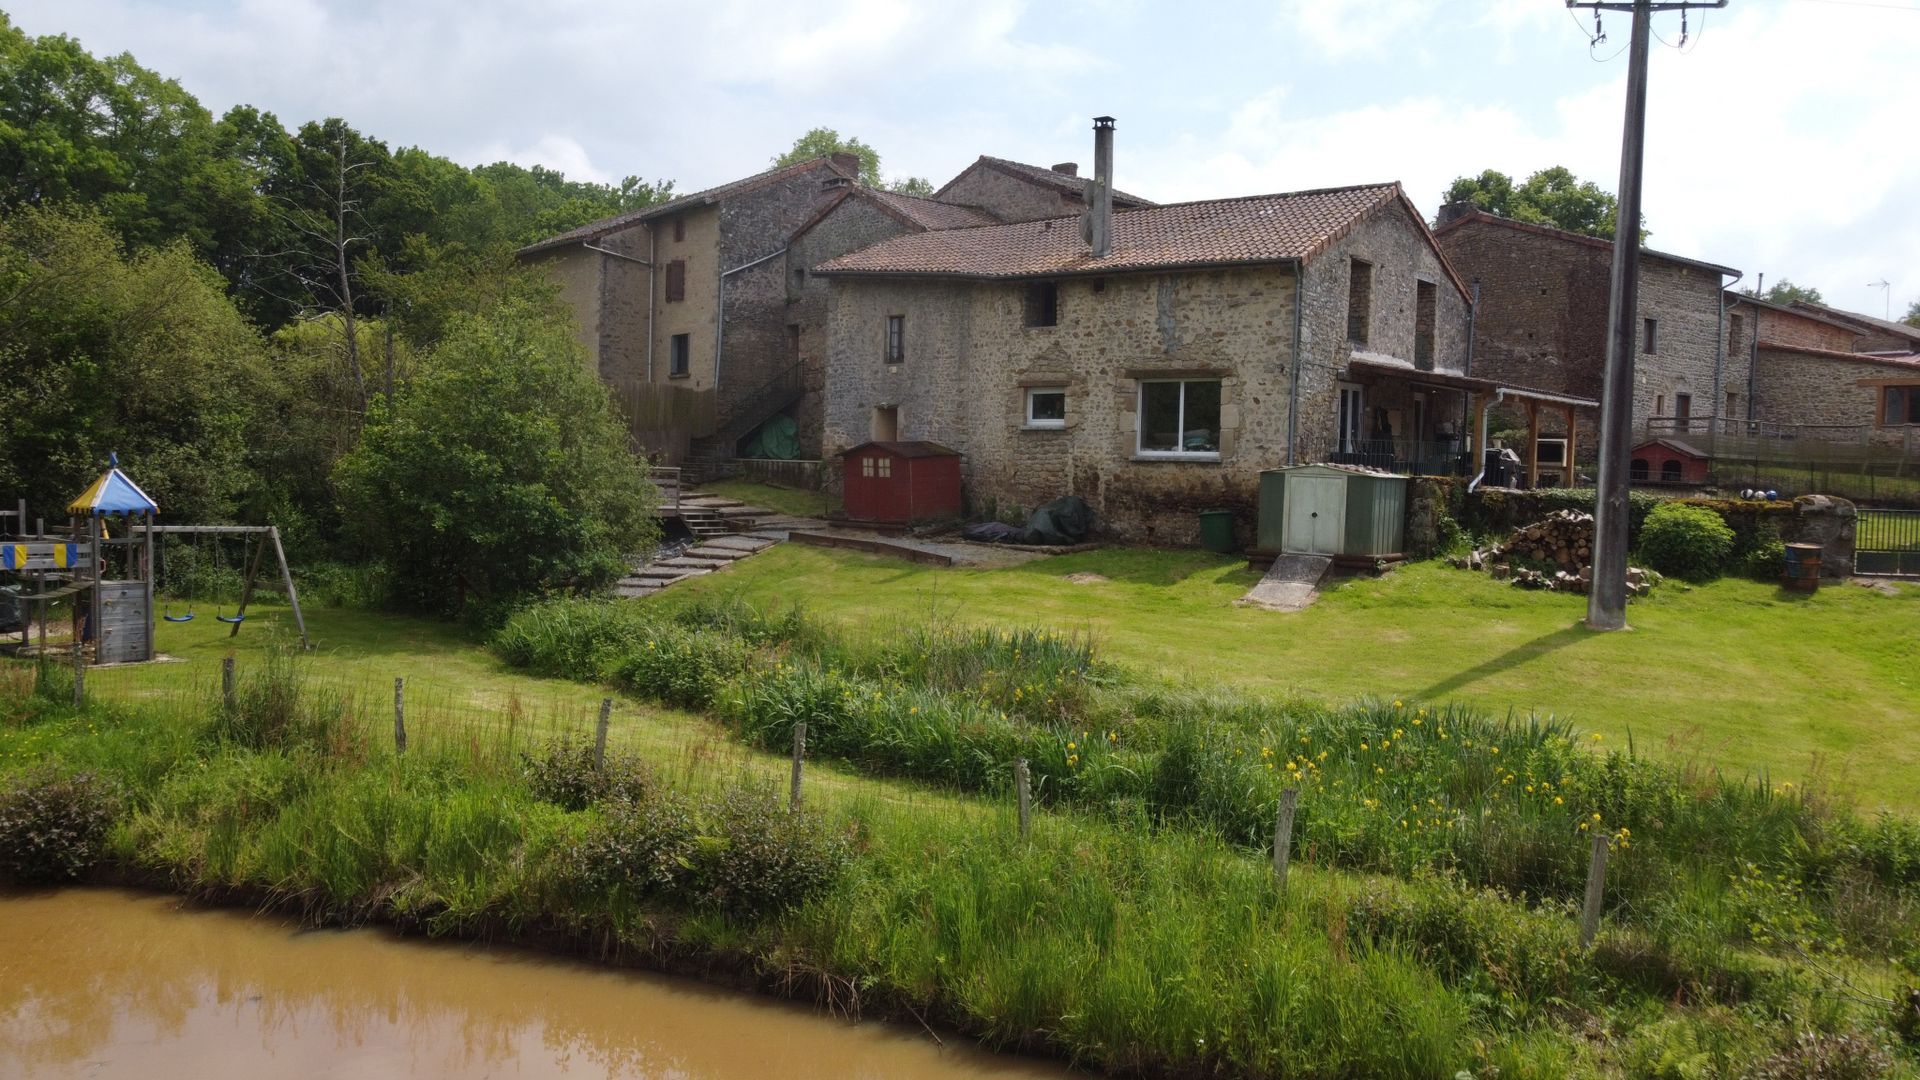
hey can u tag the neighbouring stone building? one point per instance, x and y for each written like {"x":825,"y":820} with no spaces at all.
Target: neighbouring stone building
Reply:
{"x":699,"y":311}
{"x":1212,"y":340}
{"x":682,"y":307}
{"x":1876,"y":335}
{"x":1541,"y":318}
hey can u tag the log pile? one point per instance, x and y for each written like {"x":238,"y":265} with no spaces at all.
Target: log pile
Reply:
{"x":1555,"y":553}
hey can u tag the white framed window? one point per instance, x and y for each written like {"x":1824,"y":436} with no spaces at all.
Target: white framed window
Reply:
{"x":1180,"y":418}
{"x":880,"y":467}
{"x":1352,"y":410}
{"x":1046,"y":406}
{"x":896,"y":338}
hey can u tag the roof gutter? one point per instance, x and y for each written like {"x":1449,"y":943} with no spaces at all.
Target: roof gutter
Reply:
{"x":1480,"y":440}
{"x":720,"y":308}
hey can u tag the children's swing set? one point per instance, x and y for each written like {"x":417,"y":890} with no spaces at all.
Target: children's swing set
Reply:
{"x":108,"y":555}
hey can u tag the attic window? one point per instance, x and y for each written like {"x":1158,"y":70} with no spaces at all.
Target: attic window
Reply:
{"x":1425,"y":300}
{"x":676,"y":281}
{"x":1359,"y":301}
{"x":679,"y":229}
{"x":1649,"y":336}
{"x":1043,"y":304}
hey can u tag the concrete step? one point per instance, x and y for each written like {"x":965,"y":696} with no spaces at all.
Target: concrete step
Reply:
{"x":635,"y":592}
{"x":705,"y":551}
{"x":748,"y":544}
{"x":690,"y":563}
{"x":659,"y":573}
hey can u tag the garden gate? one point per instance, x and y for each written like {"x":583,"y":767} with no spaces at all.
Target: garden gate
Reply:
{"x":1887,"y":542}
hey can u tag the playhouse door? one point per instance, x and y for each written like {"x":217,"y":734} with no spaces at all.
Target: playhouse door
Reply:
{"x":1316,"y":512}
{"x":123,"y":622}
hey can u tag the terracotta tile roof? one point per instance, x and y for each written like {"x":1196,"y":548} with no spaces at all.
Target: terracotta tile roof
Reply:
{"x":1215,"y":232}
{"x":1735,"y":299}
{"x":1900,"y":360}
{"x":1577,"y":238}
{"x":596,"y":229}
{"x":1912,"y":333}
{"x":1065,"y":183}
{"x":929,"y":214}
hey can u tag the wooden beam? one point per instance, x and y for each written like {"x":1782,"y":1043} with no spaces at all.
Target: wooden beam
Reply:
{"x":1573,"y":444}
{"x":286,"y":581}
{"x":246,"y":589}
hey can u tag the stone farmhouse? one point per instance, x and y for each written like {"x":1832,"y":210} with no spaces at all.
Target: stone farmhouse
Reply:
{"x":1815,"y":372}
{"x":700,"y":313}
{"x":1154,"y":360}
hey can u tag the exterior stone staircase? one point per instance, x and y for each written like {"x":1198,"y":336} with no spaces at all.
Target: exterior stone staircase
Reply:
{"x":725,"y":531}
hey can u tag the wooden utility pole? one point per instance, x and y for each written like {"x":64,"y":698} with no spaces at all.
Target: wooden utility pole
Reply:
{"x":1607,"y":599}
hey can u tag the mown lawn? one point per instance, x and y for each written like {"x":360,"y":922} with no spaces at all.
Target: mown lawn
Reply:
{"x":1737,"y":674}
{"x":785,"y":500}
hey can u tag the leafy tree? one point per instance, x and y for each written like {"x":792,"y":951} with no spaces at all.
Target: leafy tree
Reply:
{"x":822,"y":141}
{"x":1552,"y":196}
{"x":106,"y":350}
{"x":502,"y":471}
{"x":1786,"y":292}
{"x":1912,"y":317}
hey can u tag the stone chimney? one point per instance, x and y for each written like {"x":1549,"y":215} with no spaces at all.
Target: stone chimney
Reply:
{"x":1100,"y":190}
{"x":1070,"y":168}
{"x":847,"y":163}
{"x":1454,"y":211}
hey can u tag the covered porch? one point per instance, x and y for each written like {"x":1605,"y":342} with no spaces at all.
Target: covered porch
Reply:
{"x":1397,"y":418}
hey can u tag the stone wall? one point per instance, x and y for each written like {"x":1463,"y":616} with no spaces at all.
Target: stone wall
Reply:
{"x":1395,"y":245}
{"x":1796,"y":387}
{"x":1008,"y":197}
{"x":1542,"y":322}
{"x":577,"y":271}
{"x":970,"y":360}
{"x":852,"y":224}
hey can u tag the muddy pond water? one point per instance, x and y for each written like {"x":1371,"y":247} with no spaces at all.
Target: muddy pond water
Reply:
{"x":108,"y":984}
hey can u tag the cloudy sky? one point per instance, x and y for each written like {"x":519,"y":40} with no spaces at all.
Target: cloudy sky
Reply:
{"x":1781,"y":137}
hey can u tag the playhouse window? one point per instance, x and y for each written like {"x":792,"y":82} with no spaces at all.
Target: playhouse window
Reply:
{"x":876,"y":467}
{"x":1180,"y":418}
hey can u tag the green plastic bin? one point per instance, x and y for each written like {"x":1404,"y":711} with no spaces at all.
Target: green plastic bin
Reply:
{"x":1216,"y":531}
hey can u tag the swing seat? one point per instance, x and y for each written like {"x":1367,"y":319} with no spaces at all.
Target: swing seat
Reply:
{"x":230,"y":618}
{"x":179,"y":618}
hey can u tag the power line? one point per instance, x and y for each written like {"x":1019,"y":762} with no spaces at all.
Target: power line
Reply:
{"x":1866,"y":4}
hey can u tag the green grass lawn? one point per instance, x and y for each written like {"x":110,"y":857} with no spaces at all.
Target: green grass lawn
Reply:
{"x":1737,"y":674}
{"x":786,"y":500}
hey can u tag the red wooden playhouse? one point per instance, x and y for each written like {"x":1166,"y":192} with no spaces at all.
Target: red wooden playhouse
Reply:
{"x":1668,"y":461}
{"x":901,"y":483}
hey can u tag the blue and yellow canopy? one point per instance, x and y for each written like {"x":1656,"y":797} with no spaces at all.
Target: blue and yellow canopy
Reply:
{"x":113,"y":494}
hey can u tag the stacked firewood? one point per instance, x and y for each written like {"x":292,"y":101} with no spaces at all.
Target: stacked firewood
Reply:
{"x":1563,"y":538}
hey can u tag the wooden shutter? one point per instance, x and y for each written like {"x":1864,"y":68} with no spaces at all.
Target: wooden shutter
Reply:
{"x":676,"y":280}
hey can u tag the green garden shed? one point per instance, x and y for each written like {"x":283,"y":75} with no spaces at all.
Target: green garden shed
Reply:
{"x":1343,"y":511}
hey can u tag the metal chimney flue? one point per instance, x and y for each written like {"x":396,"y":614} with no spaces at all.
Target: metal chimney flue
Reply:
{"x":1100,"y":189}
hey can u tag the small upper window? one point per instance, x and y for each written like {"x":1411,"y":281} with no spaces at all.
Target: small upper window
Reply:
{"x":896,"y":338}
{"x":1650,"y":335}
{"x":1046,"y":407}
{"x":1043,"y":304}
{"x":676,"y":281}
{"x":677,"y":357}
{"x":679,"y":229}
{"x":1359,"y":301}
{"x":1426,"y":298}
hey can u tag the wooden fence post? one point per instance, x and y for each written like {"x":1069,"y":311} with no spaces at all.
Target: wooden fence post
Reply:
{"x":600,"y":734}
{"x":799,"y":755}
{"x":1596,"y":890}
{"x":1283,"y":836}
{"x":226,"y":683}
{"x":79,"y":672}
{"x":1022,"y":782}
{"x":399,"y":716}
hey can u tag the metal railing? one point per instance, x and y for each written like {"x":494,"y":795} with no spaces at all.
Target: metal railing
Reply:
{"x":1409,"y":456}
{"x":1887,"y":542}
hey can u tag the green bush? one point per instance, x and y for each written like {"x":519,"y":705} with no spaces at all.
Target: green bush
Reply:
{"x":564,"y":774}
{"x":681,"y":667}
{"x":1690,"y":542}
{"x":575,"y":638}
{"x":764,"y":858}
{"x":503,"y":471}
{"x":639,"y":848}
{"x":53,"y":826}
